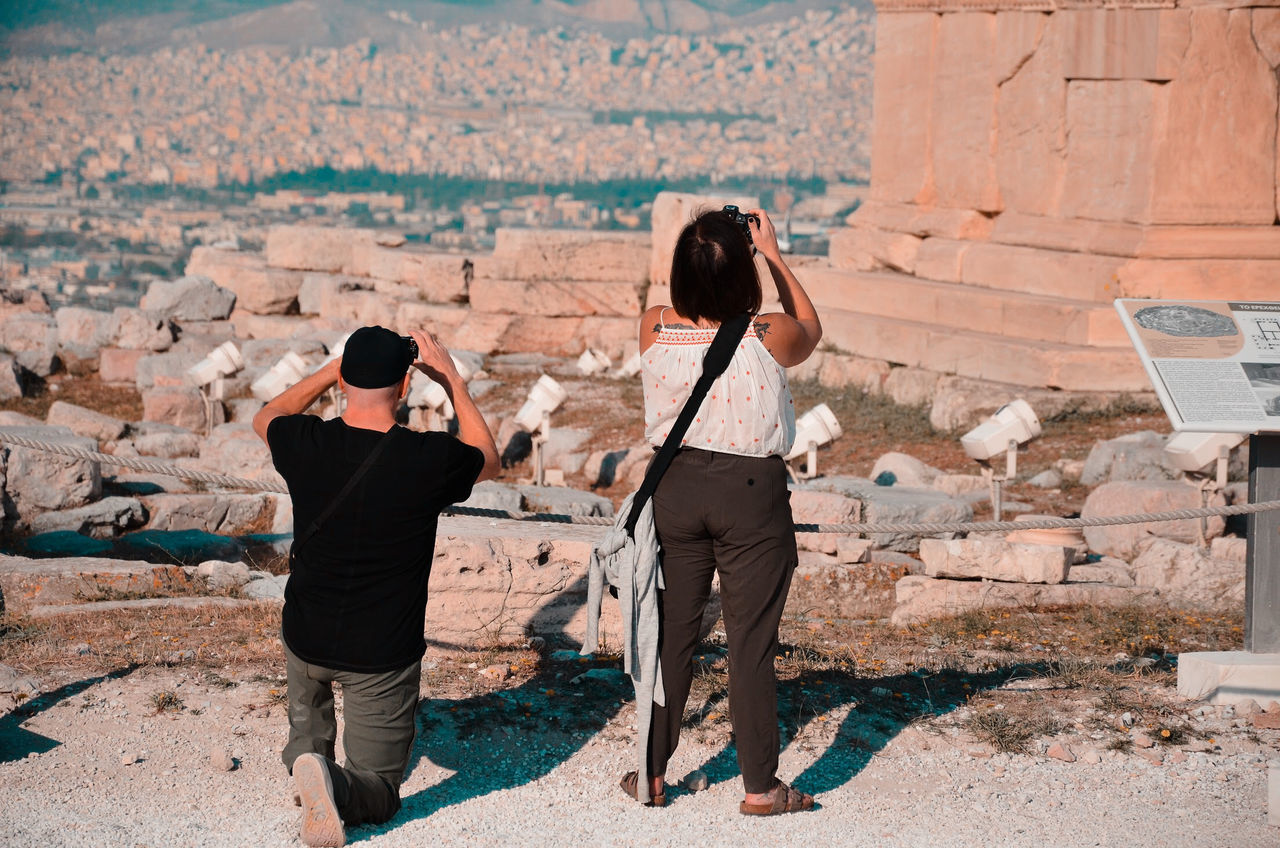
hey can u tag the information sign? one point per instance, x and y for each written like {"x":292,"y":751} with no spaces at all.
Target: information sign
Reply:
{"x":1214,"y":364}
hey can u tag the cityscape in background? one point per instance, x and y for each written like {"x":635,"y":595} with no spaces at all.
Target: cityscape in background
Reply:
{"x":116,"y":163}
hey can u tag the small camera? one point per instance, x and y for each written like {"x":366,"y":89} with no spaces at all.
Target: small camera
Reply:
{"x":742,"y":219}
{"x":412,"y":346}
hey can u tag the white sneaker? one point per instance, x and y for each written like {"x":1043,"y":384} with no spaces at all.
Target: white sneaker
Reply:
{"x":321,"y":823}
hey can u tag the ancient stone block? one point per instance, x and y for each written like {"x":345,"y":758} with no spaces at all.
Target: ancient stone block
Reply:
{"x":1185,"y":576}
{"x":305,"y":248}
{"x":1110,"y":128}
{"x":607,"y":256}
{"x":995,"y":559}
{"x":32,"y":338}
{"x":920,"y":598}
{"x":182,"y":407}
{"x":1142,"y":44}
{"x":901,"y":154}
{"x":29,"y":582}
{"x":165,"y":369}
{"x":37,"y":481}
{"x":853,"y":372}
{"x":909,"y":386}
{"x":100,"y":520}
{"x":941,"y":259}
{"x":895,"y":504}
{"x":964,"y":113}
{"x":258,"y":289}
{"x":922,"y":221}
{"x":135,"y":329}
{"x":165,"y":440}
{"x":118,"y":366}
{"x":1198,"y":279}
{"x":1129,"y":497}
{"x":905,"y":469}
{"x":10,"y":378}
{"x":83,"y":330}
{"x":192,"y":298}
{"x":871,"y":249}
{"x":223,"y":514}
{"x":554,"y":297}
{"x":549,"y":335}
{"x":436,"y":277}
{"x":813,"y":507}
{"x":85,"y":422}
{"x":821,"y":589}
{"x":1216,"y":164}
{"x":236,"y":449}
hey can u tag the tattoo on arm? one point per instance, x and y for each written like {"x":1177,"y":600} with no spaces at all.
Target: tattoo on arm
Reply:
{"x":659,"y":327}
{"x":762,"y":329}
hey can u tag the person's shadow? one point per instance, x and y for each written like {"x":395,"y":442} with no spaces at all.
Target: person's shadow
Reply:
{"x":16,"y":742}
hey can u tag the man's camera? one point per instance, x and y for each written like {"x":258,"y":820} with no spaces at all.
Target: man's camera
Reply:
{"x":412,"y":347}
{"x":742,"y":219}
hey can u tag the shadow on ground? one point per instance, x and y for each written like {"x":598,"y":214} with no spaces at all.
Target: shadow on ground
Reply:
{"x":16,"y":742}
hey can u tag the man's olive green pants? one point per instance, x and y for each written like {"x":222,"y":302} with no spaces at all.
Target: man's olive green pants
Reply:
{"x":378,"y":733}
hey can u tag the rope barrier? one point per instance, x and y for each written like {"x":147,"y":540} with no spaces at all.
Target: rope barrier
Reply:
{"x":867,"y":528}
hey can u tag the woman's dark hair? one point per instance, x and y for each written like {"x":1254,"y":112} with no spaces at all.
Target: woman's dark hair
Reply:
{"x":712,"y":272}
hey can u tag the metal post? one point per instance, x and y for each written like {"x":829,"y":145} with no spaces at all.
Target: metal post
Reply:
{"x":1262,"y":570}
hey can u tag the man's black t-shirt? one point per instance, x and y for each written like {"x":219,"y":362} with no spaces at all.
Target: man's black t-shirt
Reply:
{"x":356,"y":599}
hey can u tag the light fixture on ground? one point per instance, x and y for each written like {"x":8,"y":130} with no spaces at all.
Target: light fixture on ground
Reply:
{"x":288,"y":371}
{"x":1011,"y":425}
{"x":210,"y":373}
{"x":1195,"y":453}
{"x":535,"y":417}
{"x":814,"y":429}
{"x":593,"y":362}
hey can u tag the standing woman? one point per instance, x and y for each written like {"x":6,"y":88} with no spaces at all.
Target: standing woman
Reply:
{"x":723,"y":504}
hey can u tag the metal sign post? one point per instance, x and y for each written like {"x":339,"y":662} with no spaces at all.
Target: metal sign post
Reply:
{"x":1262,"y":560}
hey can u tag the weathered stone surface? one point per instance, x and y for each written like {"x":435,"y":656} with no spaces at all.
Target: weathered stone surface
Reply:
{"x":1220,"y":170}
{"x":920,"y":598}
{"x":564,"y":501}
{"x":566,"y":449}
{"x":906,"y":470}
{"x":38,"y":481}
{"x":192,"y":298}
{"x":1231,"y":548}
{"x":224,"y":514}
{"x":964,"y":103}
{"x":263,"y":353}
{"x":671,"y":212}
{"x":1184,"y":575}
{"x":491,"y":494}
{"x":510,"y":579}
{"x":10,"y":378}
{"x":1134,"y":456}
{"x":32,"y":338}
{"x":822,"y":588}
{"x":873,"y":249}
{"x":814,"y":507}
{"x":906,"y":63}
{"x":258,"y":288}
{"x":555,"y":297}
{"x":995,"y":559}
{"x":164,"y":369}
{"x":116,"y":365}
{"x":533,"y":254}
{"x":931,"y":223}
{"x":179,"y":407}
{"x":359,"y":307}
{"x":101,"y":519}
{"x":836,"y":370}
{"x":317,"y":292}
{"x":436,"y":277}
{"x":304,"y":248}
{"x":911,"y":386}
{"x":895,"y":504}
{"x":30,"y":582}
{"x":1114,"y":572}
{"x":82,"y":330}
{"x":165,"y":440}
{"x":85,"y":422}
{"x":236,"y":449}
{"x":1109,"y":144}
{"x":960,"y":485}
{"x":1142,"y":496}
{"x":135,"y":329}
{"x":265,"y":588}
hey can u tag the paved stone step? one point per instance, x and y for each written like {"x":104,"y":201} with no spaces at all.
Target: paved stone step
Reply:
{"x":198,"y":602}
{"x":1018,"y":315}
{"x":985,"y":356}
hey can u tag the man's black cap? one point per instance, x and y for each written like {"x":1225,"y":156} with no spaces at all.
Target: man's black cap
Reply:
{"x":375,"y":357}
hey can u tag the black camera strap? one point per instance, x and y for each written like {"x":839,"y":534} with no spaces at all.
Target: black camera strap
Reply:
{"x":299,"y":541}
{"x":714,"y":364}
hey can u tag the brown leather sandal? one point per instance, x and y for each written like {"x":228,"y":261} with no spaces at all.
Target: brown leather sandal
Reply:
{"x":630,"y":784}
{"x":785,"y":800}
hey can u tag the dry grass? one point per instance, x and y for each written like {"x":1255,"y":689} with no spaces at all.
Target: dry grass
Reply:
{"x":122,"y":402}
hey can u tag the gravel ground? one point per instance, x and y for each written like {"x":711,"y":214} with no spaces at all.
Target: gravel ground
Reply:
{"x":95,"y":764}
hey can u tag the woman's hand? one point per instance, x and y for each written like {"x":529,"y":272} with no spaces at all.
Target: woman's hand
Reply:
{"x":434,"y":360}
{"x":763,"y":234}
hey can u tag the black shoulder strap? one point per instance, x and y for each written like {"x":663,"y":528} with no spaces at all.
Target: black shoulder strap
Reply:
{"x":299,"y":541}
{"x":713,"y":365}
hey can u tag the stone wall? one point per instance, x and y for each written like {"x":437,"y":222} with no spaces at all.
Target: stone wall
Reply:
{"x":1034,"y":160}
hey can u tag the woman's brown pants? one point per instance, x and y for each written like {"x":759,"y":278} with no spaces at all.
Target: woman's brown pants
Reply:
{"x":730,"y":514}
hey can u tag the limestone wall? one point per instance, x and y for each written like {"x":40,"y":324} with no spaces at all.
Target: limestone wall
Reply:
{"x":1062,"y":151}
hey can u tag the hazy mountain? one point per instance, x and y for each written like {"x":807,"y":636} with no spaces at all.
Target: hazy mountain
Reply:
{"x":127,"y":25}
